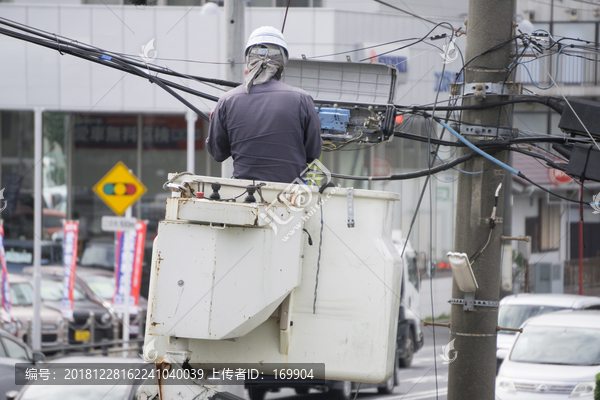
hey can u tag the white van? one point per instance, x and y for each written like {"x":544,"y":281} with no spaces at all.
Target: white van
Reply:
{"x":410,"y":336}
{"x":517,"y":308}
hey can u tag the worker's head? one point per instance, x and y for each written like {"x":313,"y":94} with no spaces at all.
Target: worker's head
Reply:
{"x":267,"y":40}
{"x":266,"y":56}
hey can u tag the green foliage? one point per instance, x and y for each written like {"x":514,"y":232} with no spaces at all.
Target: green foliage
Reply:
{"x":439,"y":318}
{"x":520,"y":260}
{"x":54,"y":128}
{"x":597,"y":390}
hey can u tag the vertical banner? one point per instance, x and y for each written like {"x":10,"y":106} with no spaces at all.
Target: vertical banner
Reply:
{"x":71,"y":231}
{"x":136,"y":280}
{"x":4,"y":285}
{"x":128,"y":271}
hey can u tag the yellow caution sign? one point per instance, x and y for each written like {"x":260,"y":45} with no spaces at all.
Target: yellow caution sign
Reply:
{"x":119,"y":188}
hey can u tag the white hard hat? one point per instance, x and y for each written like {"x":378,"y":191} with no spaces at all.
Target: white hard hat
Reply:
{"x":264,"y":35}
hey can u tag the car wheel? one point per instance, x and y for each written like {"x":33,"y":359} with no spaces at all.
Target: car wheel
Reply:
{"x":257,"y":394}
{"x":302,"y":390}
{"x":387,"y":387}
{"x":344,"y":393}
{"x":410,"y":351}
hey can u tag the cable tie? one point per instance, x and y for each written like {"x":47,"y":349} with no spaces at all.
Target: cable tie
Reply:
{"x":105,"y":57}
{"x":58,"y":43}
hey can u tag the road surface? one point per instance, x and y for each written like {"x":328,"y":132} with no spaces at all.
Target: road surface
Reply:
{"x":416,"y":382}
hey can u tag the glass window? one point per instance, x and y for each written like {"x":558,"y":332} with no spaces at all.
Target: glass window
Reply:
{"x":2,"y":352}
{"x":293,"y":3}
{"x":16,"y":158}
{"x":99,"y":142}
{"x":52,"y":290}
{"x":513,"y":316}
{"x":98,"y":254}
{"x":15,"y":350}
{"x":21,"y":294}
{"x":413,"y":271}
{"x":558,"y":345}
{"x":549,"y":226}
{"x":102,"y":286}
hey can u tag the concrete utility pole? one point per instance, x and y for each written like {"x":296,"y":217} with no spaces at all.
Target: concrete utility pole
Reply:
{"x":472,"y":374}
{"x":235,"y":38}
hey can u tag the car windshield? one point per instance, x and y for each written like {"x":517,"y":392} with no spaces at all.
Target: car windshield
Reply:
{"x":21,"y":294}
{"x":103,"y":256}
{"x":513,"y":316}
{"x":557,"y":345}
{"x":102,"y":286}
{"x":75,"y":392}
{"x":52,"y":290}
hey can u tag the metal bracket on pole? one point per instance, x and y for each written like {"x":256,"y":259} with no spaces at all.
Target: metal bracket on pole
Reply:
{"x":469,"y":302}
{"x":491,"y":131}
{"x":483,"y":88}
{"x":510,"y":238}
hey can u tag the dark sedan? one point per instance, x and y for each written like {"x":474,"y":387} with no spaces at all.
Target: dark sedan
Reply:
{"x":85,"y":301}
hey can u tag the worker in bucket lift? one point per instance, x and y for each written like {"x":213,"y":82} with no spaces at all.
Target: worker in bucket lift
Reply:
{"x":270,"y":129}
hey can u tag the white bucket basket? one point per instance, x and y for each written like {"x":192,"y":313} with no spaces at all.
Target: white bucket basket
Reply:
{"x":238,"y":280}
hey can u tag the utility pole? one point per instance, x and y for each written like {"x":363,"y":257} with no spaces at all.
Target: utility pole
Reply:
{"x":235,"y":38}
{"x":472,"y":374}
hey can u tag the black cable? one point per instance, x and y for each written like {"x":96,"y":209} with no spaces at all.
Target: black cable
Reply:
{"x":103,"y":60}
{"x":99,"y":51}
{"x":556,"y":103}
{"x":485,"y":143}
{"x":160,"y":83}
{"x":415,"y":42}
{"x":410,"y":175}
{"x":548,"y":191}
{"x":318,"y":258}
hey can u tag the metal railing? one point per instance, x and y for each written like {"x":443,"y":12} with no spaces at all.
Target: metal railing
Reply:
{"x":574,"y":68}
{"x":591,"y":276}
{"x":104,"y":347}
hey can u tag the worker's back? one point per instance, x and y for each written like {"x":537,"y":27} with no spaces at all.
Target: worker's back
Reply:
{"x":271,"y":132}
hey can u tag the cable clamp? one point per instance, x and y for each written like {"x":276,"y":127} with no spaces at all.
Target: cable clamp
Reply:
{"x":483,"y":88}
{"x":490,"y":131}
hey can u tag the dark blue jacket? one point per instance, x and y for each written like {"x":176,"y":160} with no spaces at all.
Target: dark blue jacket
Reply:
{"x":271,"y":132}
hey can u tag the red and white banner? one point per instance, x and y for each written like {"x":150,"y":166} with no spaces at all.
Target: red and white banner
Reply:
{"x":71,"y":231}
{"x":5,"y":303}
{"x":128,"y":271}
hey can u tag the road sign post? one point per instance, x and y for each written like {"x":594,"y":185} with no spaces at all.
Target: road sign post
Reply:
{"x":119,"y":188}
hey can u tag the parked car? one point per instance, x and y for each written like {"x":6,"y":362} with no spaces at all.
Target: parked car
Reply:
{"x":556,"y":357}
{"x":21,"y":294}
{"x":517,"y":308}
{"x":101,"y":283}
{"x":19,"y":253}
{"x":100,"y":253}
{"x":13,"y":351}
{"x":8,"y":323}
{"x":77,"y":391}
{"x":85,"y":301}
